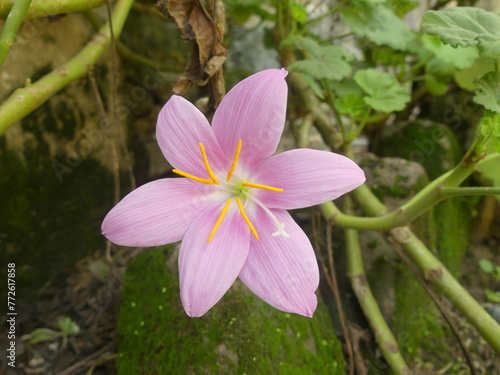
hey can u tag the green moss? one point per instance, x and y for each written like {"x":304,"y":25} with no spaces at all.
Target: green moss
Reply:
{"x":240,"y":335}
{"x":50,"y":224}
{"x":419,"y":329}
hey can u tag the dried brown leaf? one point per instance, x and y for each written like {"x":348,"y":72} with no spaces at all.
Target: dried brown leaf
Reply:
{"x":196,"y":24}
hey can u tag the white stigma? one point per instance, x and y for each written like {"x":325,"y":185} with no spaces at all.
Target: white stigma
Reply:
{"x":280,"y":226}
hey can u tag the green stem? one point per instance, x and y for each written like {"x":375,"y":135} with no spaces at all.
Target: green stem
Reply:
{"x":440,"y":278}
{"x":383,"y":335}
{"x":331,"y":102}
{"x":25,"y":100}
{"x":11,"y":26}
{"x":44,"y":8}
{"x":432,"y":194}
{"x":355,"y":134}
{"x":445,"y":284}
{"x":461,"y":191}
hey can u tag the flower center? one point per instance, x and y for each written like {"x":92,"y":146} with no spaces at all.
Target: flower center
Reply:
{"x":239,"y":190}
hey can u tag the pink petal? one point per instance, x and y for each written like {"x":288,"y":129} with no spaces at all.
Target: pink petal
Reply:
{"x":282,"y":271}
{"x":180,"y":129}
{"x":253,"y":111}
{"x":308,"y":177}
{"x":156,"y":213}
{"x":207,"y":270}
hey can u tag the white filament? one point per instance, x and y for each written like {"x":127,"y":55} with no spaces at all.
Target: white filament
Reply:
{"x":279,"y":225}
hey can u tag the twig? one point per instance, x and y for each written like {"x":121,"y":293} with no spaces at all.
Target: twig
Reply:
{"x":333,"y":286}
{"x":11,"y":26}
{"x":336,"y":294}
{"x":440,"y":305}
{"x":116,"y":170}
{"x":70,"y":370}
{"x":383,"y":334}
{"x":45,"y":8}
{"x":25,"y":100}
{"x":114,"y":94}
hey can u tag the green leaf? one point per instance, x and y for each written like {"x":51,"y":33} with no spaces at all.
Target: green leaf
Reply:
{"x":378,"y":24}
{"x":351,"y":104}
{"x":465,"y":26}
{"x":41,"y":335}
{"x":67,"y":326}
{"x":385,"y":92}
{"x":323,"y":62}
{"x":492,"y":296}
{"x":486,"y":265}
{"x":314,"y":86}
{"x":299,"y":13}
{"x":437,"y":85}
{"x":488,"y":91}
{"x":465,"y":78}
{"x":444,"y":54}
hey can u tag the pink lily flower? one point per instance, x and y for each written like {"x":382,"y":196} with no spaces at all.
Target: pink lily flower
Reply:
{"x":230,"y":209}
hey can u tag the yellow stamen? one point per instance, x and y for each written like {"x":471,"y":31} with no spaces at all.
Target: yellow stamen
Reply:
{"x":247,"y":220}
{"x":219,"y":220}
{"x":207,"y":165}
{"x":187,"y":175}
{"x":235,"y":160}
{"x":265,"y":187}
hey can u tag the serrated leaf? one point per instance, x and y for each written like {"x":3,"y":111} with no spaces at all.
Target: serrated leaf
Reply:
{"x":324,"y":62}
{"x":378,"y":24}
{"x":490,"y":124}
{"x":461,"y":58}
{"x":385,"y":92}
{"x":351,"y":104}
{"x":488,"y":91}
{"x":465,"y":26}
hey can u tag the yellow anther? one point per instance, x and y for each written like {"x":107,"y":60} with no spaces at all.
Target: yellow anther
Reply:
{"x":235,"y":160}
{"x":207,"y":165}
{"x":190,"y":176}
{"x":219,"y":220}
{"x":265,"y":187}
{"x":247,"y":220}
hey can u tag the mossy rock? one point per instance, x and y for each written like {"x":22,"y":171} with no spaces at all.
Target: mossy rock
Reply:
{"x":240,"y":335}
{"x":435,"y":146}
{"x":431,"y":144}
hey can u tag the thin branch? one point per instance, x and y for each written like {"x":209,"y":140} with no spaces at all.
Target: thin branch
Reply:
{"x":336,"y":294}
{"x":383,"y":334}
{"x":25,"y":100}
{"x":439,"y":304}
{"x":461,"y":191}
{"x":11,"y":26}
{"x":45,"y":8}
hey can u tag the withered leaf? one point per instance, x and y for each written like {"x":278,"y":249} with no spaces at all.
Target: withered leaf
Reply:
{"x":196,"y":24}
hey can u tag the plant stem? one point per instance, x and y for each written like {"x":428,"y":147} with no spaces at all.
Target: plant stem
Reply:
{"x":44,"y":8}
{"x":432,"y":194}
{"x":445,"y":284}
{"x":11,"y":27}
{"x":383,"y":335}
{"x":440,"y":278}
{"x":461,"y":191}
{"x":25,"y":100}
